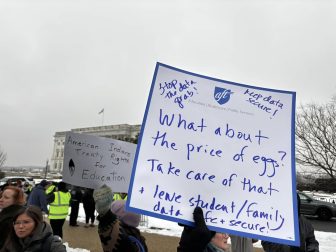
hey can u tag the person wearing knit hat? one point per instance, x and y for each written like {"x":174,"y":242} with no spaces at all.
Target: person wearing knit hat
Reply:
{"x":44,"y":183}
{"x":117,"y":228}
{"x":103,"y":197}
{"x":129,"y":218}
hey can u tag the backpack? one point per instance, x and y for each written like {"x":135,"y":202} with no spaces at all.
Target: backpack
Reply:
{"x":137,"y":243}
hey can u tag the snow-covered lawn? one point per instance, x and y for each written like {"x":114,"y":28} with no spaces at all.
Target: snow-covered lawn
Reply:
{"x":327,"y":240}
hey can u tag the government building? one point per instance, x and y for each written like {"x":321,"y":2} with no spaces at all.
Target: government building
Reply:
{"x":123,"y":132}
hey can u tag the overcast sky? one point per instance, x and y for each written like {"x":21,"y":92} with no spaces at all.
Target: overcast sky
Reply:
{"x":61,"y":62}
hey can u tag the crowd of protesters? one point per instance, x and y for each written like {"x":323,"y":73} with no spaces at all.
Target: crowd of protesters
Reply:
{"x":24,"y":210}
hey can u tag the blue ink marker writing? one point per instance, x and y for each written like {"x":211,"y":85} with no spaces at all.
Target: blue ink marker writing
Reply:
{"x":202,"y":149}
{"x":247,"y":185}
{"x":164,"y":142}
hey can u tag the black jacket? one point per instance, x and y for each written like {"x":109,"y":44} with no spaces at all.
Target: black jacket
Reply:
{"x":307,"y":240}
{"x":76,"y":196}
{"x":114,"y":235}
{"x":6,"y":221}
{"x":87,"y":199}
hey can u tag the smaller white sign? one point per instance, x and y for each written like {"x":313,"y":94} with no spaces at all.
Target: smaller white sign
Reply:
{"x":91,"y":161}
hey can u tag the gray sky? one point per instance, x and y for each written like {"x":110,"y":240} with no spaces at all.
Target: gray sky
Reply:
{"x":61,"y":62}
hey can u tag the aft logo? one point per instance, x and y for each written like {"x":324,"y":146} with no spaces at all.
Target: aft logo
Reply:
{"x":222,"y":95}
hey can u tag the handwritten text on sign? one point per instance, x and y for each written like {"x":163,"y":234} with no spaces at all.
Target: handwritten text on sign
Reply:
{"x":91,"y":161}
{"x":223,"y":146}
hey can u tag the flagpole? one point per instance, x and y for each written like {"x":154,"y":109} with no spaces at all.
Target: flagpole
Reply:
{"x":102,"y":112}
{"x":103,"y":118}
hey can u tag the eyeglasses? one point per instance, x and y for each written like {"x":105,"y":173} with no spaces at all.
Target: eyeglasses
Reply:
{"x":226,"y":236}
{"x":24,"y":223}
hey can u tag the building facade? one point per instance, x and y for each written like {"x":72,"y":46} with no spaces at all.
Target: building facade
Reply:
{"x":123,"y":132}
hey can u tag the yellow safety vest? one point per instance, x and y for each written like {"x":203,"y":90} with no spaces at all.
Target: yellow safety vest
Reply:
{"x":117,"y":196}
{"x":59,"y":208}
{"x":50,"y":189}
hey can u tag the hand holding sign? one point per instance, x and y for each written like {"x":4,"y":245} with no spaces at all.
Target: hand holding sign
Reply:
{"x":195,"y":239}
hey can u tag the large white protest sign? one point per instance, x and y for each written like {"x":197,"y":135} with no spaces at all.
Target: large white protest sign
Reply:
{"x":92,"y":161}
{"x":223,"y":146}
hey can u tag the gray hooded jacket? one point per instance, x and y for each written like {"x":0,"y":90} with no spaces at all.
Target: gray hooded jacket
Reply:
{"x":35,"y":242}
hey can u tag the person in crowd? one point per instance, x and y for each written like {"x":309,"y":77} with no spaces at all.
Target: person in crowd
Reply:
{"x":30,"y":233}
{"x":76,"y":198}
{"x":117,"y":228}
{"x":308,"y":242}
{"x":52,"y":187}
{"x":38,"y":197}
{"x":19,"y":184}
{"x":200,"y":238}
{"x":219,"y":243}
{"x":89,"y":207}
{"x":50,"y":191}
{"x":12,"y":200}
{"x":120,"y":196}
{"x":27,"y":188}
{"x":59,"y":208}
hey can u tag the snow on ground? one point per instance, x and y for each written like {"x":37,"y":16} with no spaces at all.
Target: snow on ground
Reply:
{"x":327,"y":240}
{"x":75,"y":249}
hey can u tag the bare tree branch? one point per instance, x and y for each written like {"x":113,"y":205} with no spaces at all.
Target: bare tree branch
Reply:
{"x":316,"y":137}
{"x":3,"y":157}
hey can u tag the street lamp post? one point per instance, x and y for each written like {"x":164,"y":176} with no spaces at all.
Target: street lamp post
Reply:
{"x":46,"y":169}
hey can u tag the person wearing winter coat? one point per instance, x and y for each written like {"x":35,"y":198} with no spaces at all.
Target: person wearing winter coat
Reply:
{"x":117,"y":228}
{"x":12,"y":200}
{"x":30,"y":233}
{"x":89,"y":207}
{"x":200,"y":238}
{"x":59,"y":208}
{"x":218,"y":243}
{"x":308,"y":242}
{"x":38,"y":197}
{"x":27,"y":188}
{"x":76,"y":198}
